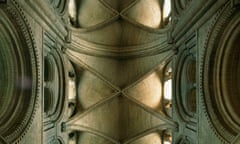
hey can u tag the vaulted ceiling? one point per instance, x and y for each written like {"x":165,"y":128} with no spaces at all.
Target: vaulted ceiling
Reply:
{"x":120,"y":100}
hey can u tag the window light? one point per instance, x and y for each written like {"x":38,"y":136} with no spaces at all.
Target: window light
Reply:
{"x":168,"y":89}
{"x":167,"y":8}
{"x":166,"y":142}
{"x":71,"y":90}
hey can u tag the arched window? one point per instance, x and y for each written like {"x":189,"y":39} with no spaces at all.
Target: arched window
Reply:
{"x":167,"y":93}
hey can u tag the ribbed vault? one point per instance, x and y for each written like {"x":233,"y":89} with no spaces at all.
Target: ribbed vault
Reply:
{"x":120,"y":51}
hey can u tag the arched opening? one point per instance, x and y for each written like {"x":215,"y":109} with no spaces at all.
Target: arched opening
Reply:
{"x":221,"y":75}
{"x":19,"y":78}
{"x":230,"y":83}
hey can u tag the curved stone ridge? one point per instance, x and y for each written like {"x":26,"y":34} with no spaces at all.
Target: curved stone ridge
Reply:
{"x":119,"y":28}
{"x":216,"y":73}
{"x":20,"y":60}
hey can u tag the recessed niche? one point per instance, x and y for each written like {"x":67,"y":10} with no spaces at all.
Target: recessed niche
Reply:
{"x":48,"y":100}
{"x":54,"y":80}
{"x":19,"y":78}
{"x":221,"y":74}
{"x":186,"y":98}
{"x":48,"y":75}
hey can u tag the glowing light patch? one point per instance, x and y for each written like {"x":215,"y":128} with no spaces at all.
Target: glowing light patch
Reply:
{"x":168,"y":89}
{"x":166,"y":142}
{"x":71,"y":90}
{"x":72,"y":9}
{"x":166,"y":8}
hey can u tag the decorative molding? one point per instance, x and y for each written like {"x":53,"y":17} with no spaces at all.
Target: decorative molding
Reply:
{"x":30,"y":65}
{"x":185,"y":140}
{"x":179,"y":6}
{"x":44,"y":13}
{"x":156,"y":129}
{"x":54,"y":80}
{"x":185,"y":81}
{"x":52,"y":139}
{"x":209,"y":85}
{"x":78,"y":128}
{"x":148,"y":49}
{"x":71,"y":91}
{"x":184,"y":23}
{"x":60,"y":140}
{"x":59,"y":6}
